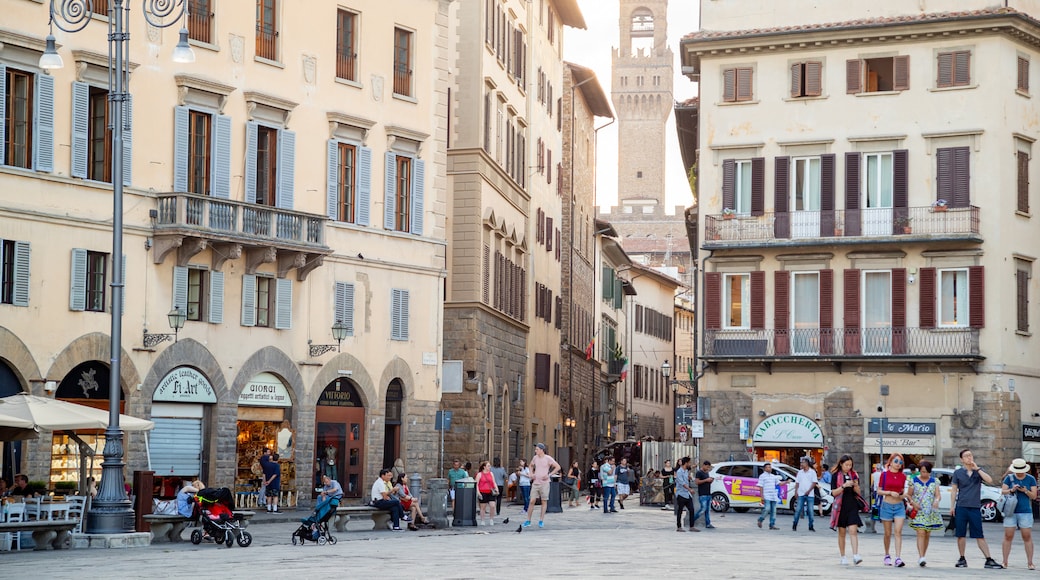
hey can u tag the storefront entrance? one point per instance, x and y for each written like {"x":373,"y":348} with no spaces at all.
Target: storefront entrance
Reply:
{"x":175,"y":446}
{"x":11,"y":450}
{"x":265,"y":422}
{"x":339,"y":442}
{"x":76,"y":457}
{"x":787,"y":437}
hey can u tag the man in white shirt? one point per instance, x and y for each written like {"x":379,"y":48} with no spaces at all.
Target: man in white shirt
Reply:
{"x":806,"y":482}
{"x":767,"y":482}
{"x":382,"y":499}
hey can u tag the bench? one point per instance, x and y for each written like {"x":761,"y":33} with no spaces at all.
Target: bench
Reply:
{"x":168,"y":528}
{"x":46,"y":534}
{"x":380,"y":518}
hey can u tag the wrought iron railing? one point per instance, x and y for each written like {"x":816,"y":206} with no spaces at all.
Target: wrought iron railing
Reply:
{"x":847,"y":223}
{"x":402,"y":81}
{"x":842,"y":342}
{"x":200,"y":20}
{"x":266,"y":43}
{"x":345,"y":62}
{"x":234,"y":218}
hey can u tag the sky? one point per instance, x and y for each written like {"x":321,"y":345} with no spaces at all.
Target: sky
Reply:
{"x":592,"y":48}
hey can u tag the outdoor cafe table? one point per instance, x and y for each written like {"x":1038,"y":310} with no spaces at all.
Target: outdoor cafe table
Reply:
{"x":47,"y":510}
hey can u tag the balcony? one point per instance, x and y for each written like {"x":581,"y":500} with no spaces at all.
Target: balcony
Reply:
{"x":843,"y":344}
{"x":190,"y":223}
{"x":850,"y":226}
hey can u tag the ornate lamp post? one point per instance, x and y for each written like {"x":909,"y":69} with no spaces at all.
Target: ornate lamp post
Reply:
{"x":111,"y":512}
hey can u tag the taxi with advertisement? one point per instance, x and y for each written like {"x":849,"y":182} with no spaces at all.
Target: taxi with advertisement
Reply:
{"x":736,"y":485}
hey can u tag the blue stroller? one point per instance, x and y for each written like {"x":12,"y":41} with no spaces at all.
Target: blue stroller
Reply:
{"x":315,"y":528}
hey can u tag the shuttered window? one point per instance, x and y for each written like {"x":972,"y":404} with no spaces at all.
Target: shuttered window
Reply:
{"x":403,"y":197}
{"x":542,"y":366}
{"x":781,"y":311}
{"x":14,"y":272}
{"x":349,"y":182}
{"x":807,"y":79}
{"x":485,"y":270}
{"x":782,"y":186}
{"x":713,"y":300}
{"x":270,"y":166}
{"x":953,"y":176}
{"x":927,"y":277}
{"x":87,"y":280}
{"x":343,"y":306}
{"x":202,"y":152}
{"x":851,"y":312}
{"x":953,"y":69}
{"x":199,"y":293}
{"x":736,"y":301}
{"x":1022,"y":199}
{"x":1022,"y":83}
{"x":26,"y":119}
{"x":399,"y":314}
{"x":737,"y":84}
{"x":976,"y":296}
{"x":1022,"y":275}
{"x":874,"y":75}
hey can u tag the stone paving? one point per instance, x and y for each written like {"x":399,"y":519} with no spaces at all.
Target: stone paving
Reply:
{"x":637,"y":542}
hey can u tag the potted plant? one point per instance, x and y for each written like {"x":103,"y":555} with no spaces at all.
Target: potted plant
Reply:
{"x":728,"y":213}
{"x":939,"y":205}
{"x":903,"y":223}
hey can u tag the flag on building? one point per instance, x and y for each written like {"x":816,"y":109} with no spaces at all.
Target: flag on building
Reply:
{"x":590,"y":347}
{"x":689,"y":370}
{"x":624,"y":367}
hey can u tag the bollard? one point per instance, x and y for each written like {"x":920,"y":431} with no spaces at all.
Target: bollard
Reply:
{"x":415,"y":487}
{"x":437,"y":509}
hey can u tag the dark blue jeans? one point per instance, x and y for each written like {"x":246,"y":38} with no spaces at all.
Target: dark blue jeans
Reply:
{"x":609,"y":493}
{"x":705,"y":503}
{"x":525,"y":490}
{"x":393,"y":506}
{"x":804,"y":502}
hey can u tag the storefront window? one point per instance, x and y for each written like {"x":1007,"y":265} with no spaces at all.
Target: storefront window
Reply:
{"x":339,"y":437}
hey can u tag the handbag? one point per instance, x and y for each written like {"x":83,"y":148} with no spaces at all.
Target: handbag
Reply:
{"x":164,"y":507}
{"x":1010,"y":501}
{"x":911,"y":511}
{"x":569,"y":481}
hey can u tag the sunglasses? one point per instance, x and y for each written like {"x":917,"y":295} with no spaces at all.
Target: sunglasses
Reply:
{"x":897,"y":461}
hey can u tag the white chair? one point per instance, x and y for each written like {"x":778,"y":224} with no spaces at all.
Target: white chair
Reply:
{"x":32,"y":508}
{"x":16,"y":513}
{"x":76,"y":506}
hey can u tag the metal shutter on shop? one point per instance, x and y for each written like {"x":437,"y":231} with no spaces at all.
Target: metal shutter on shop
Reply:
{"x":175,"y":446}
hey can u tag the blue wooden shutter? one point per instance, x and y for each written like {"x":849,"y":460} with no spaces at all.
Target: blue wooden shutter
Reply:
{"x":286,"y":168}
{"x":283,"y":304}
{"x":221,"y":170}
{"x":3,"y":112}
{"x":180,"y":149}
{"x":344,"y":305}
{"x":390,"y":192}
{"x":216,"y":297}
{"x":78,"y":281}
{"x":418,"y":189}
{"x":332,"y":180}
{"x":43,"y":144}
{"x":251,"y":135}
{"x":398,"y":314}
{"x":80,"y":129}
{"x":20,"y":284}
{"x":128,"y":139}
{"x":364,"y":186}
{"x":180,"y":288}
{"x":248,"y":300}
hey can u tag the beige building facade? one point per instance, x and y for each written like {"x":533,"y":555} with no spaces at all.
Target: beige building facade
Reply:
{"x":290,"y":179}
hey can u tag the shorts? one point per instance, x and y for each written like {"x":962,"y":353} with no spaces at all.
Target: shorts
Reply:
{"x":272,"y":491}
{"x":485,"y":497}
{"x":623,"y":489}
{"x":967,"y":520}
{"x":891,"y":511}
{"x":1020,"y":521}
{"x":540,"y":490}
{"x":451,"y":493}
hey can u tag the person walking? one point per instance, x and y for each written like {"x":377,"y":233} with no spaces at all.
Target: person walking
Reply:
{"x":847,"y":504}
{"x":965,"y":504}
{"x":684,"y":495}
{"x":892,"y":511}
{"x":543,"y":467}
{"x":805,"y":488}
{"x":1019,"y":482}
{"x":607,"y":480}
{"x":702,"y":478}
{"x":595,"y":491}
{"x":924,"y":497}
{"x":573,"y":482}
{"x":487,"y":489}
{"x":525,"y":485}
{"x":668,"y":474}
{"x":768,"y":482}
{"x":500,"y":481}
{"x":623,"y":481}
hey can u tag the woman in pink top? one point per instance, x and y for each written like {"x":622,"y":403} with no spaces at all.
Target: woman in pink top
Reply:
{"x":892,"y":512}
{"x":487,"y":489}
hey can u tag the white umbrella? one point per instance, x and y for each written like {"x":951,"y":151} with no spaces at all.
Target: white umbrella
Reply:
{"x":46,"y":414}
{"x":14,"y":428}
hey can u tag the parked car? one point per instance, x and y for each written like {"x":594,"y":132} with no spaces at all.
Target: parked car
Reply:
{"x":992,"y":500}
{"x":736,"y":486}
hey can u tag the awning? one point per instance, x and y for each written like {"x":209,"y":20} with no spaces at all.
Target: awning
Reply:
{"x":1031,"y":451}
{"x":912,"y":445}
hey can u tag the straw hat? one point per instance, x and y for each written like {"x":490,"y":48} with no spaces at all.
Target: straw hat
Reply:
{"x":1019,"y":465}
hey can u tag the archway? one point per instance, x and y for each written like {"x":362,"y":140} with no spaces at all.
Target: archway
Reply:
{"x":12,"y":450}
{"x":392,"y":434}
{"x":339,"y":436}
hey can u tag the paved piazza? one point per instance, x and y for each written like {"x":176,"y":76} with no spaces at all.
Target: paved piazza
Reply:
{"x":638,"y":542}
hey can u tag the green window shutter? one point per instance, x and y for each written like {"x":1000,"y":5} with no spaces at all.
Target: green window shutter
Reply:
{"x":332,"y":179}
{"x":364,"y":186}
{"x":286,"y":168}
{"x":418,"y":191}
{"x":221,"y":169}
{"x":344,"y":305}
{"x":252,"y":131}
{"x":390,"y":191}
{"x":180,"y":288}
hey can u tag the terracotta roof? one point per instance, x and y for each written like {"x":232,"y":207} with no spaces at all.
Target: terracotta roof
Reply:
{"x":861,"y":23}
{"x":688,"y":103}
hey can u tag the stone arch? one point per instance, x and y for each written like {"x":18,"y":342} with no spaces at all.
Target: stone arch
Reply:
{"x":272,"y":360}
{"x":358,"y":375}
{"x":190,"y":353}
{"x":17,"y":356}
{"x":397,"y":368}
{"x":95,"y":346}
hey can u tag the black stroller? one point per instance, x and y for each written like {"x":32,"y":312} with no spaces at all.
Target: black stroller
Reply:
{"x":215,"y":513}
{"x":315,"y":528}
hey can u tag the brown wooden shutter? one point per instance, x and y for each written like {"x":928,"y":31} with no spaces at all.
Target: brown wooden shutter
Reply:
{"x":962,"y":68}
{"x":1023,"y":182}
{"x":900,"y":189}
{"x":961,"y":195}
{"x":853,"y":76}
{"x":976,"y":296}
{"x":1023,"y":74}
{"x":813,"y":78}
{"x":729,"y":184}
{"x":758,"y":186}
{"x":486,"y":275}
{"x":758,"y":300}
{"x":899,"y":311}
{"x":729,"y":85}
{"x":827,"y":195}
{"x":852,"y":187}
{"x":781,"y":312}
{"x":712,"y":300}
{"x":541,"y":371}
{"x":927,"y":278}
{"x":944,"y":70}
{"x":827,"y":311}
{"x":796,"y":80}
{"x":1022,"y":299}
{"x":901,"y":73}
{"x":744,"y":84}
{"x":782,"y":178}
{"x":851,"y":311}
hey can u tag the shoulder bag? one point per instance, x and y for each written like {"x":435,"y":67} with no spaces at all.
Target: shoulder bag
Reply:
{"x":1010,"y":500}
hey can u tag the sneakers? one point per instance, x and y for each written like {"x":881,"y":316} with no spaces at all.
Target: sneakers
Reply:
{"x":709,"y":527}
{"x":492,"y":522}
{"x":992,"y":564}
{"x":921,"y":562}
{"x":679,"y":530}
{"x":773,"y":528}
{"x":397,"y":529}
{"x":962,"y":563}
{"x":527,"y":524}
{"x":900,"y":563}
{"x":541,"y":524}
{"x":760,"y":523}
{"x":693,"y":529}
{"x":812,"y":529}
{"x":856,"y":559}
{"x":888,"y":560}
{"x":844,"y":561}
{"x":794,"y":528}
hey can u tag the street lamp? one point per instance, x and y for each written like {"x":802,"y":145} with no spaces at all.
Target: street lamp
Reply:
{"x":339,"y":332}
{"x":111,"y":511}
{"x":177,"y":317}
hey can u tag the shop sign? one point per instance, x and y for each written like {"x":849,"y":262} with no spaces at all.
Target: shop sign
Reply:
{"x":344,"y":398}
{"x":788,"y":428}
{"x":1030,"y":432}
{"x":185,"y":385}
{"x":915,"y":445}
{"x":265,"y":390}
{"x":901,"y":427}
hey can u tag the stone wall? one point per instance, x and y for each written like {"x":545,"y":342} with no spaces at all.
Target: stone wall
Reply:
{"x":842,"y":431}
{"x":722,"y":440}
{"x":992,"y":429}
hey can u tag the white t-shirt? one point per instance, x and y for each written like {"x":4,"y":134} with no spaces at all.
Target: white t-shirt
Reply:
{"x":768,"y":483}
{"x":805,"y":480}
{"x":378,"y":487}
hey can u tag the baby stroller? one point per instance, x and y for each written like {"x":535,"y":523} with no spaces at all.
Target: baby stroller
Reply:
{"x":215,"y":512}
{"x":315,"y":528}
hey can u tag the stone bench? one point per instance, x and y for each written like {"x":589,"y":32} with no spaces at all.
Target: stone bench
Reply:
{"x":46,"y":534}
{"x":168,"y":528}
{"x":380,"y":518}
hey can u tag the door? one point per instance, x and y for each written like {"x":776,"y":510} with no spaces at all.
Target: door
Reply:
{"x":877,"y":204}
{"x":805,"y":198}
{"x":339,"y":444}
{"x":877,"y":313}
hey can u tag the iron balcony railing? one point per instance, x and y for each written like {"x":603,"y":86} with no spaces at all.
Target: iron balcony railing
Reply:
{"x":223,"y":217}
{"x":842,"y":342}
{"x":886,"y":222}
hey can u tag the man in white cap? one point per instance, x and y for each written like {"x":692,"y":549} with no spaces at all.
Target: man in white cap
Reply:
{"x":1019,"y":483}
{"x":542,"y":468}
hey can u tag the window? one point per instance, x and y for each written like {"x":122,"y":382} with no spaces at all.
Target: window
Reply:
{"x":200,"y":20}
{"x":202,"y":156}
{"x":1023,"y":272}
{"x":542,"y":366}
{"x":953,"y":69}
{"x":806,"y":79}
{"x":743,"y":189}
{"x":877,"y":312}
{"x":874,"y":75}
{"x":200,"y":293}
{"x":99,"y":166}
{"x":266,"y":301}
{"x":403,"y":198}
{"x":270,"y":167}
{"x":877,"y":179}
{"x":805,"y":312}
{"x":266,"y":164}
{"x":18,"y":121}
{"x":91,"y":144}
{"x":14,"y":272}
{"x":345,"y":212}
{"x":736,"y":84}
{"x":266,"y":29}
{"x":403,"y":193}
{"x":805,"y":194}
{"x":346,"y":45}
{"x":737,"y":300}
{"x":953,"y":297}
{"x":196,"y":294}
{"x":1023,"y":182}
{"x":1023,"y":75}
{"x":953,"y":175}
{"x":402,"y":62}
{"x":95,"y":281}
{"x":398,"y":314}
{"x":199,"y":146}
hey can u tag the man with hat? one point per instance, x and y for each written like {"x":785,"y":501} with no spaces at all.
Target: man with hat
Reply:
{"x":1019,"y":483}
{"x":542,"y":468}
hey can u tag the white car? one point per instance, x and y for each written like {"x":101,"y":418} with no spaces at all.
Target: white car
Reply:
{"x":992,"y":499}
{"x":736,"y":486}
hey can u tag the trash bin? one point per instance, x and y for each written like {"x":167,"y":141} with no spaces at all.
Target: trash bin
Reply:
{"x":555,"y":506}
{"x":465,"y":503}
{"x":437,"y":508}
